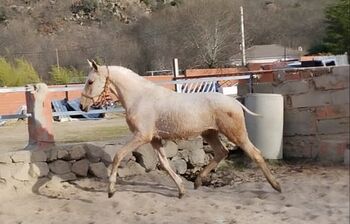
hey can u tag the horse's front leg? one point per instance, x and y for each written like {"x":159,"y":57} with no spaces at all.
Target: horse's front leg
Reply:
{"x":132,"y":145}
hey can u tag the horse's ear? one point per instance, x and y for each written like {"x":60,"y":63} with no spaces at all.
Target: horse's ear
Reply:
{"x":93,"y":64}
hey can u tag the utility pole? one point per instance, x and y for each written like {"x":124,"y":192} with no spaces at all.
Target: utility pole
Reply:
{"x":243,"y":38}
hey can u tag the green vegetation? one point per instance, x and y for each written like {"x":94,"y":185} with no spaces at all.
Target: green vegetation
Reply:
{"x":86,"y":6}
{"x":337,"y":40}
{"x":62,"y":76}
{"x":18,"y":73}
{"x":3,"y":16}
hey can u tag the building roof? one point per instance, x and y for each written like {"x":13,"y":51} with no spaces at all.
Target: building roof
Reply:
{"x":267,"y":53}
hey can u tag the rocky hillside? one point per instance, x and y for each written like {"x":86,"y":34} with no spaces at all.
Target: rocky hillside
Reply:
{"x":146,"y":34}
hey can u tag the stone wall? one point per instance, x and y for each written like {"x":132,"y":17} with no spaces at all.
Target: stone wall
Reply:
{"x":69,"y":162}
{"x":316,"y":106}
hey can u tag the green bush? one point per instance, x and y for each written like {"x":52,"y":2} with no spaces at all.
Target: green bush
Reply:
{"x":62,"y":76}
{"x":3,"y":16}
{"x":87,"y":6}
{"x":19,"y":73}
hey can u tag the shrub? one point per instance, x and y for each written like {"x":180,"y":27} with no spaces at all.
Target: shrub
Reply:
{"x":19,"y":73}
{"x":87,"y":6}
{"x":62,"y":76}
{"x":3,"y":16}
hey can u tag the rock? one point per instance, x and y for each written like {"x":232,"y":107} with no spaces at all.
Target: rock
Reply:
{"x":106,"y":159}
{"x":21,"y":156}
{"x":99,"y":170}
{"x":67,"y":176}
{"x":62,"y":154}
{"x":93,"y":152}
{"x":178,"y":165}
{"x":38,"y":156}
{"x":197,"y":157}
{"x":170,"y":148}
{"x":81,"y":167}
{"x":51,"y":154}
{"x":190,"y":144}
{"x":5,"y":171}
{"x":77,"y":152}
{"x":60,"y":167}
{"x":21,"y":172}
{"x":132,"y":168}
{"x":184,"y":154}
{"x":146,"y":156}
{"x":58,"y":178}
{"x":5,"y":158}
{"x":38,"y":169}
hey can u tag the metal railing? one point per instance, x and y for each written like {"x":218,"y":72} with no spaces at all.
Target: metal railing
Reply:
{"x":188,"y":85}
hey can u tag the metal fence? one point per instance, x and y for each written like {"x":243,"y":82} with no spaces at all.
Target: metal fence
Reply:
{"x":183,"y":84}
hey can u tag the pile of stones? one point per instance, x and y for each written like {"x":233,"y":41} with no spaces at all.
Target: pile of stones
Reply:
{"x":69,"y":162}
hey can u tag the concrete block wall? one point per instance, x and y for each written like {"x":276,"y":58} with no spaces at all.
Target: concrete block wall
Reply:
{"x":316,"y":106}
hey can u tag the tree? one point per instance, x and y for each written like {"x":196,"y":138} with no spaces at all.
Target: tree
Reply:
{"x":337,"y":36}
{"x":338,"y":27}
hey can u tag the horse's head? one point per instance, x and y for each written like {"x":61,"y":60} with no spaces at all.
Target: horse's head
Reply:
{"x":95,"y":87}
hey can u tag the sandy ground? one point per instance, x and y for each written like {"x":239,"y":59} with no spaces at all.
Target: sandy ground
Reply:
{"x":311,"y":194}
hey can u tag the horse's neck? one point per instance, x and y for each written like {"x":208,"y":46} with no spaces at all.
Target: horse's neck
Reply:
{"x":130,"y":87}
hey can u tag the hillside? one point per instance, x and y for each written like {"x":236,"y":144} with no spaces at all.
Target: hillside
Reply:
{"x":146,"y":34}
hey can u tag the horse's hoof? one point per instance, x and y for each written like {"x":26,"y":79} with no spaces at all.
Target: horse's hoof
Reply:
{"x":110,"y":194}
{"x":197,"y":183}
{"x":181,"y":195}
{"x":277,"y":187}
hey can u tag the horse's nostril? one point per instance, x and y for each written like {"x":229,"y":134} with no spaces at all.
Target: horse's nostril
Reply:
{"x":81,"y":107}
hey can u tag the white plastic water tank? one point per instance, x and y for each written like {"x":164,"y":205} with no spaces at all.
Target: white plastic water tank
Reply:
{"x":266,"y":132}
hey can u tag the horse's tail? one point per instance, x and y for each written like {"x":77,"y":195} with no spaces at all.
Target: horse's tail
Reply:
{"x":247,"y":110}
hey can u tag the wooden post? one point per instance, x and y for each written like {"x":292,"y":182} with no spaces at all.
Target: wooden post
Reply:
{"x":40,"y":122}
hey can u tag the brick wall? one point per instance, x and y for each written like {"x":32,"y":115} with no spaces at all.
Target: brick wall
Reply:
{"x":10,"y":103}
{"x":316,"y":105}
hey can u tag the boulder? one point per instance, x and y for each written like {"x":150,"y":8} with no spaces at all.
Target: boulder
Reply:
{"x":63,"y":154}
{"x":99,"y":170}
{"x":5,"y":158}
{"x":38,"y":169}
{"x":52,"y":153}
{"x":23,"y":156}
{"x":77,"y":152}
{"x":131,"y":168}
{"x":81,"y":167}
{"x":196,"y":143}
{"x":146,"y":156}
{"x":38,"y":156}
{"x":93,"y":152}
{"x":58,"y":178}
{"x":170,"y":148}
{"x":60,"y":167}
{"x":21,"y":172}
{"x":178,"y":165}
{"x":196,"y":157}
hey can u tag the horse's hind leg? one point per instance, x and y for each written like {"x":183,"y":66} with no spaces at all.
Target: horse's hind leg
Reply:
{"x":157,"y":145}
{"x":220,"y":152}
{"x":240,"y":138}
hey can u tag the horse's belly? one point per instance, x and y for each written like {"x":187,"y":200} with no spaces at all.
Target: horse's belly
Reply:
{"x":183,"y":126}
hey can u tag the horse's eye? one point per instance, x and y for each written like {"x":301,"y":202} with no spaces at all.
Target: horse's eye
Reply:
{"x":90,"y":82}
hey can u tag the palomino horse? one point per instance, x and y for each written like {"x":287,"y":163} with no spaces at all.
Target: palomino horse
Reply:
{"x":154,"y":113}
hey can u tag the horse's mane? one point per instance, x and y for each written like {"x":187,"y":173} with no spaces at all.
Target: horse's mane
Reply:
{"x":130,"y":75}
